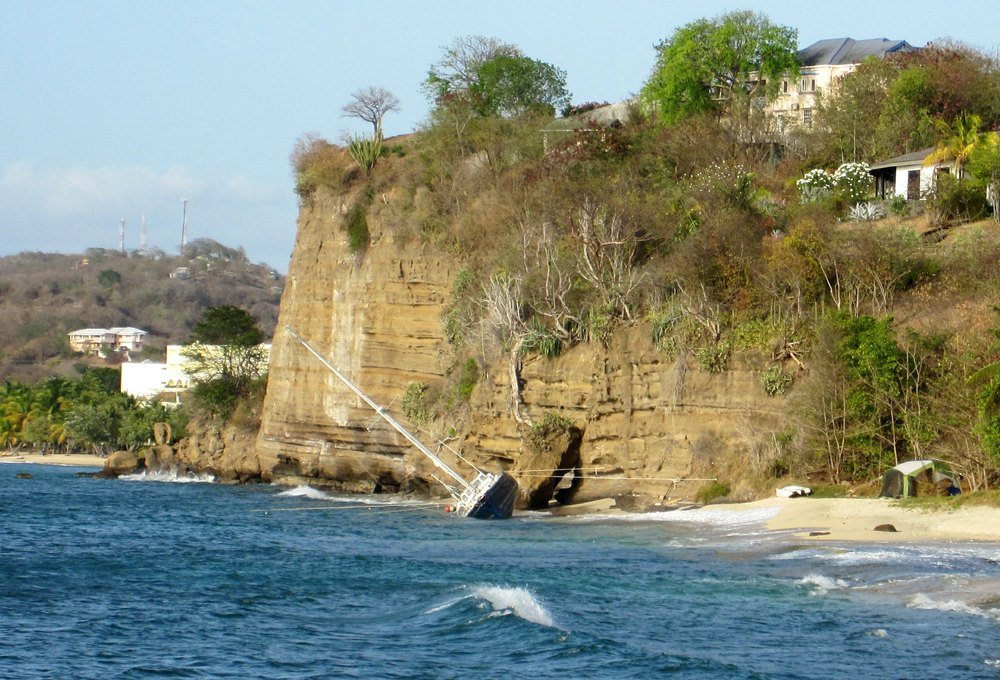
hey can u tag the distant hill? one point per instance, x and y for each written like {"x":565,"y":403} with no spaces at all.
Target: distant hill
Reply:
{"x":44,"y":296}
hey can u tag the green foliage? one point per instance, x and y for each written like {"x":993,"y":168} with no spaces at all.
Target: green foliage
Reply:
{"x":705,"y":65}
{"x":776,"y":381}
{"x":414,"y":404}
{"x":225,"y":358}
{"x":356,"y":223}
{"x":468,"y":377}
{"x":511,"y":86}
{"x":109,"y":278}
{"x":953,"y":199}
{"x":714,"y":357}
{"x":541,"y":433}
{"x":899,"y":206}
{"x":542,"y":340}
{"x":365,"y":151}
{"x":227,"y":325}
{"x":711,"y":491}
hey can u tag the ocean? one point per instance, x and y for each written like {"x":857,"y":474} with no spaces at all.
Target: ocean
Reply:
{"x":153,"y":578}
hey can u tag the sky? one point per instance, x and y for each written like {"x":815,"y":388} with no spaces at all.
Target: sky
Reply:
{"x":118,"y":110}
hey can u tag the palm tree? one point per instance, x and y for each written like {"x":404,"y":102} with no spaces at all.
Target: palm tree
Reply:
{"x":957,"y":141}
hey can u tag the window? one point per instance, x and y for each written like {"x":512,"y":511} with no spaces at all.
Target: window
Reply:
{"x":807,"y":117}
{"x":784,"y":87}
{"x":812,"y":85}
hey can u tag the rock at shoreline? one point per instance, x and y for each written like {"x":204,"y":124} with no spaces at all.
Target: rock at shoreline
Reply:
{"x":886,"y":527}
{"x":23,"y":475}
{"x":121,"y":463}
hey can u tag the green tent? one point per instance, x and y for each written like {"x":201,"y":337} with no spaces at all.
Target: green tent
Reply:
{"x":903,"y":480}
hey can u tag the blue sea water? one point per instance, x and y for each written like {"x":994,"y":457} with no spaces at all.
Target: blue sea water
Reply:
{"x":151,"y":579}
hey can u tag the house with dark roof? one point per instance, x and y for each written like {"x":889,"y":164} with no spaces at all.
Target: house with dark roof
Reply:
{"x":822,"y":65}
{"x":909,"y":175}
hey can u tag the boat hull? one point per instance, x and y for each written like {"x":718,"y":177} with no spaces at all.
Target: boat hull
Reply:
{"x":497,"y":501}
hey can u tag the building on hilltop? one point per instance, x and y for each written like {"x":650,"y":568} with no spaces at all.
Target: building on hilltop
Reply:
{"x":822,"y":65}
{"x":98,"y":340}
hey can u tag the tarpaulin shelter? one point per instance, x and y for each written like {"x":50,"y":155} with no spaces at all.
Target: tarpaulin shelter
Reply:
{"x":903,"y":480}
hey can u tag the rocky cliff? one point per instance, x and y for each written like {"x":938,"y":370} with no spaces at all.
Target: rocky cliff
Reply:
{"x":644,"y":425}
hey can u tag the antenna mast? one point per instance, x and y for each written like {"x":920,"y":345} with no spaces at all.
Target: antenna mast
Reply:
{"x":184,"y":225}
{"x":142,"y":234}
{"x":121,"y":235}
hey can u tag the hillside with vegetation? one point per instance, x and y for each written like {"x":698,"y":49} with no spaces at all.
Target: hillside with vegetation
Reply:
{"x":44,"y":296}
{"x":695,"y":218}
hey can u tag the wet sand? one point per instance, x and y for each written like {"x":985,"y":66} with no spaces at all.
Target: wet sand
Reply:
{"x":855,"y":519}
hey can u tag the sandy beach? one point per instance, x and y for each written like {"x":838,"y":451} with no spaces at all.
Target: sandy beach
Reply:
{"x":855,"y":519}
{"x":77,"y":459}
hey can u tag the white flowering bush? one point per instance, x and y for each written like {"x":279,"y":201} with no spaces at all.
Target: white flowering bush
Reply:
{"x":731,"y":181}
{"x":853,"y":181}
{"x":815,"y":185}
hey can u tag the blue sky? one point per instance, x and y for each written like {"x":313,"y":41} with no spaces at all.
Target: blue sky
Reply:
{"x":118,"y":110}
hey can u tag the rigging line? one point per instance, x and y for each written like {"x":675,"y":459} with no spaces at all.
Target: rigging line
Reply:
{"x":440,"y":442}
{"x":648,"y":479}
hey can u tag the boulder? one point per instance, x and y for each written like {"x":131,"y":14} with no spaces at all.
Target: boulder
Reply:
{"x":886,"y":527}
{"x":121,"y":463}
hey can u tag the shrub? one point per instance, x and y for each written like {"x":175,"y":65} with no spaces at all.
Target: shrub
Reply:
{"x":899,"y":206}
{"x":775,"y":381}
{"x":317,"y":163}
{"x":544,"y":341}
{"x":715,"y":357}
{"x":954,"y":199}
{"x":852,"y":181}
{"x":415,"y":403}
{"x":866,"y":211}
{"x":711,"y":491}
{"x":365,"y":151}
{"x":541,"y":433}
{"x":356,"y":223}
{"x":815,"y":185}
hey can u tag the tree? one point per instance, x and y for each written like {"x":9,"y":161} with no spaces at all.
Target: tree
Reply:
{"x":488,"y":77}
{"x":225,"y":357}
{"x":458,"y":70}
{"x":957,"y":142}
{"x":709,"y":64}
{"x":370,"y":105}
{"x":510,"y":86}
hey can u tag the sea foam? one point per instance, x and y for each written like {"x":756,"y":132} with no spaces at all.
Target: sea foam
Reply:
{"x":822,"y":584}
{"x":305,"y":492}
{"x":517,"y":601}
{"x":169,"y":476}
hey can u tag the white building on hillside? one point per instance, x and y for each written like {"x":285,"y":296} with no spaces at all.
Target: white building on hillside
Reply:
{"x":163,"y":381}
{"x":95,"y":340}
{"x":822,"y":65}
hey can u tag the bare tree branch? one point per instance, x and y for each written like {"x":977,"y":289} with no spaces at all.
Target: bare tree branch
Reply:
{"x":370,"y":105}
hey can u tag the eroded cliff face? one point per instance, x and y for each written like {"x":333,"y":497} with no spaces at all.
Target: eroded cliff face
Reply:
{"x":646,"y":426}
{"x":377,"y":317}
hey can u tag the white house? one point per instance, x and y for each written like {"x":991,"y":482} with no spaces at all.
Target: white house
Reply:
{"x":822,"y":65}
{"x":908,"y":175}
{"x":164,"y":381}
{"x":93,"y":340}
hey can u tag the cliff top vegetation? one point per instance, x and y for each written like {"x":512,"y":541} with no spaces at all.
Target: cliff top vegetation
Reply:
{"x":696,"y":215}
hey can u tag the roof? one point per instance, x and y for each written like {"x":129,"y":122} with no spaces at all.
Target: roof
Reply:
{"x":90,"y":331}
{"x":842,"y":51}
{"x":912,"y":158}
{"x":127,"y":330}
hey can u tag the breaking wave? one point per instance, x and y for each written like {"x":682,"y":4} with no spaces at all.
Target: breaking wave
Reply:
{"x":517,"y":601}
{"x":503,"y":601}
{"x":821,"y":585}
{"x":305,"y":492}
{"x":170,"y":476}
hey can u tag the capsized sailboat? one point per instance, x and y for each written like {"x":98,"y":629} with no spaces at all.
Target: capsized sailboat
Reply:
{"x":488,"y":496}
